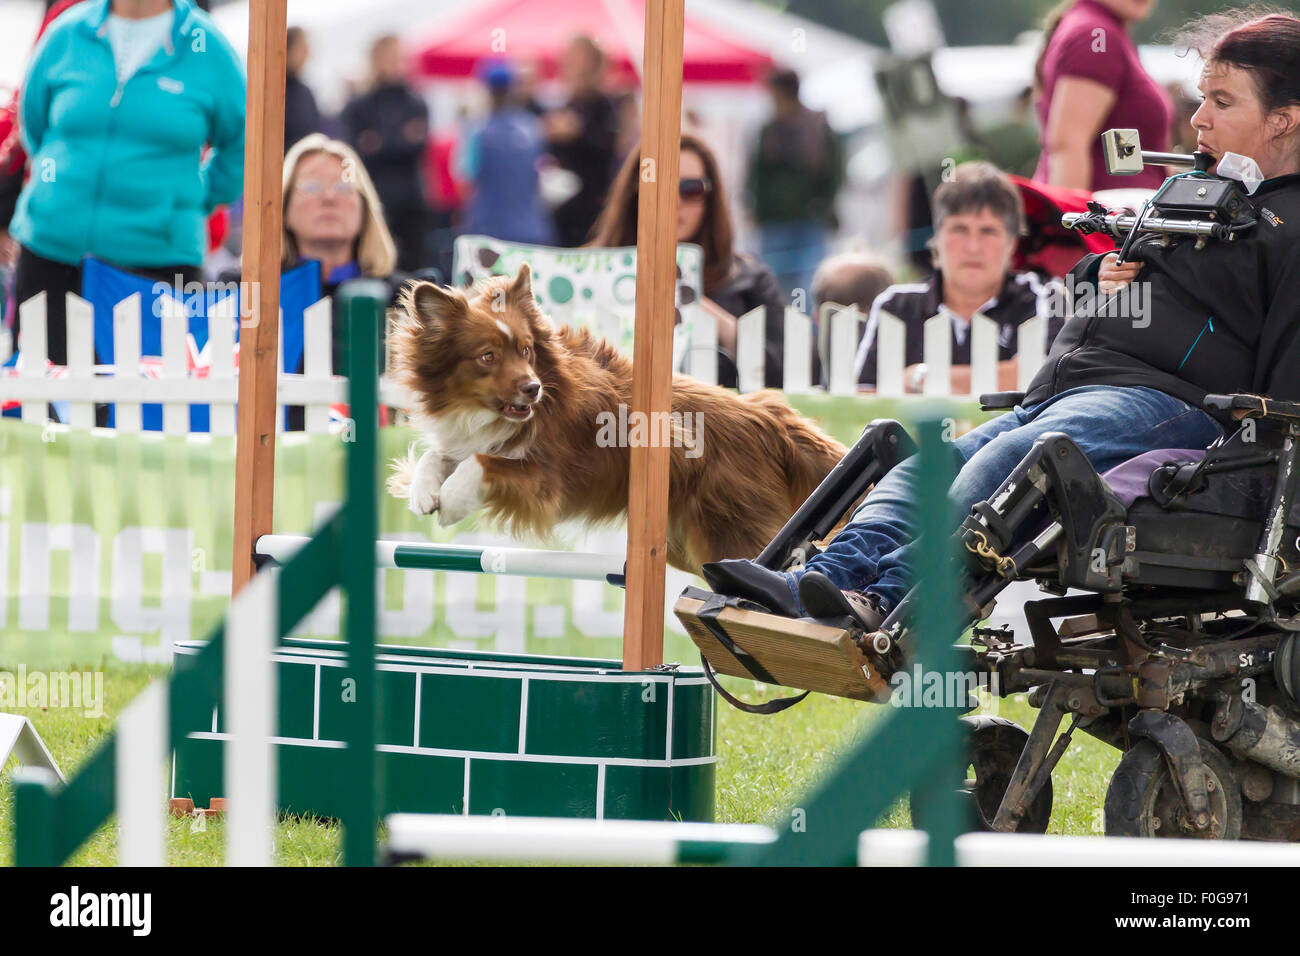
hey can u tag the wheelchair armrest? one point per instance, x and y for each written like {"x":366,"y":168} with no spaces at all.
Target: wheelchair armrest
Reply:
{"x":1255,"y":406}
{"x":996,"y":401}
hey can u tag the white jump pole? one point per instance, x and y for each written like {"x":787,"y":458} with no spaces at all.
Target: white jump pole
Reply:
{"x":527,"y":562}
{"x":541,"y":839}
{"x":907,"y":848}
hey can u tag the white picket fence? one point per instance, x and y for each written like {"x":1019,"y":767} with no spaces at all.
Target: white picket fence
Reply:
{"x":838,"y":332}
{"x":168,"y":380}
{"x":171,"y":382}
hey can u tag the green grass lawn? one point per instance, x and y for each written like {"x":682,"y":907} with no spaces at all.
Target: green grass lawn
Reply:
{"x":766,"y":767}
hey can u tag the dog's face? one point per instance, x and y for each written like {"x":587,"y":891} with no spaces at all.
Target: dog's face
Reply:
{"x":475,"y":352}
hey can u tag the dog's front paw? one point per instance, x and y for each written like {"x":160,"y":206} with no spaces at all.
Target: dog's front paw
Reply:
{"x":423,"y":497}
{"x":461,"y":493}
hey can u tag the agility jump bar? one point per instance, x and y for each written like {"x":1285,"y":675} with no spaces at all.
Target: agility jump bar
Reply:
{"x":416,"y":836}
{"x":528,"y":562}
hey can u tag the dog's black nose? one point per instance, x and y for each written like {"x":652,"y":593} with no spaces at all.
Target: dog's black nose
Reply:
{"x":530,"y":390}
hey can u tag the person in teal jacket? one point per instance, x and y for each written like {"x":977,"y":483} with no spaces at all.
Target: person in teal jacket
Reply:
{"x":132,"y":112}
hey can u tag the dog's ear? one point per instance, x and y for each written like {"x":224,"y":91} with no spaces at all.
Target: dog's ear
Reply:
{"x":520,"y":293}
{"x":521,"y":287}
{"x":432,"y":304}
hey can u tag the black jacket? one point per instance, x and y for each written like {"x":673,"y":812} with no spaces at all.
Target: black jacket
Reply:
{"x":1225,"y":318}
{"x":301,"y":117}
{"x":388,"y":127}
{"x":751,"y":284}
{"x":1023,"y":297}
{"x":590,"y":155}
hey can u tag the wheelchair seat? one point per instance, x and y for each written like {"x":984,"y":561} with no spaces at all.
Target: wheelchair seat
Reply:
{"x":1131,"y":480}
{"x":1197,"y":514}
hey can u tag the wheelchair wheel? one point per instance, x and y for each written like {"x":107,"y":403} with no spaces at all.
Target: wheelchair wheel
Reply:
{"x":994,"y":745}
{"x":1143,"y":800}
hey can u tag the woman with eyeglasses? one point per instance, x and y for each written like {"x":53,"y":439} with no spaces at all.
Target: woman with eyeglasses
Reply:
{"x":333,"y":216}
{"x":734,"y":283}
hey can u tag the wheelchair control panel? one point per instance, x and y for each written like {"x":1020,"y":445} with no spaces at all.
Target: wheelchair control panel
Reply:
{"x":1194,"y":203}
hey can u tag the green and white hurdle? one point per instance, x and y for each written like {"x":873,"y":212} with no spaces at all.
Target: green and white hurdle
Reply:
{"x":527,"y":562}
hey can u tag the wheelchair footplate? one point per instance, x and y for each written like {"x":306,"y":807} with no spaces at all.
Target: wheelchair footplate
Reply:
{"x":737,"y":638}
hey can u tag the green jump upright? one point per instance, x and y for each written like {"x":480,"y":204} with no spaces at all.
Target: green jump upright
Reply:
{"x":361,"y":305}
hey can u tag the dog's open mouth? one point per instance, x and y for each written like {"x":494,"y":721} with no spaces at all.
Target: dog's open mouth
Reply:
{"x":517,"y":413}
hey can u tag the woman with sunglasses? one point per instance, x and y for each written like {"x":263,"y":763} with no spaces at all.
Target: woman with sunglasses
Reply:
{"x":733,"y":283}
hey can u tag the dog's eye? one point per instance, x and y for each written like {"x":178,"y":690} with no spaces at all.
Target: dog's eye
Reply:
{"x":528,"y":352}
{"x":487,"y":358}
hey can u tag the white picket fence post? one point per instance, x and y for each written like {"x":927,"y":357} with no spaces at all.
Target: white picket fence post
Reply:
{"x":1031,"y":350}
{"x":751,"y":339}
{"x":317,"y":349}
{"x":81,"y":357}
{"x":842,"y":347}
{"x":223,"y":318}
{"x":32,"y":354}
{"x":175,"y":365}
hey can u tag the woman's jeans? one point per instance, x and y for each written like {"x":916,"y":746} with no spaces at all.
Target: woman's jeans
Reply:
{"x":1110,"y":424}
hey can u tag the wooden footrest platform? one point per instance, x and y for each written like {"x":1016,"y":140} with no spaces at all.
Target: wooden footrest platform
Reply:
{"x":794,"y":653}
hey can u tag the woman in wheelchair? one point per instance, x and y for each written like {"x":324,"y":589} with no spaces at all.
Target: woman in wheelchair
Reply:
{"x":1129,"y":373}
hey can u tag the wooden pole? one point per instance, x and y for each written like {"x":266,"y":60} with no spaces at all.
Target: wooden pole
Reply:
{"x":259,"y":353}
{"x":656,"y":266}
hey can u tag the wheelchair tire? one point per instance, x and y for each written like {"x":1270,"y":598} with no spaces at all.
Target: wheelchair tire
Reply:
{"x":1143,"y":800}
{"x":994,"y":745}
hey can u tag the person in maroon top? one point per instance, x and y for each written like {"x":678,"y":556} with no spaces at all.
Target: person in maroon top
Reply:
{"x":1089,"y":79}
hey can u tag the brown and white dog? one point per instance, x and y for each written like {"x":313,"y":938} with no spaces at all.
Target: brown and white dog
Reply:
{"x":530,"y":423}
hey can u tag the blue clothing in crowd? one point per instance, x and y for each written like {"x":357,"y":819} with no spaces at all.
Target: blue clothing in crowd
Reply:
{"x":501,"y":158}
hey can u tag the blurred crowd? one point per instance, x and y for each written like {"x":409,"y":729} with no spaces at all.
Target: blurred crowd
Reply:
{"x":381,"y":190}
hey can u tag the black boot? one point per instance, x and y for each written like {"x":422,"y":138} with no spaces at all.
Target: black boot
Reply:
{"x":822,"y":599}
{"x":736,"y":577}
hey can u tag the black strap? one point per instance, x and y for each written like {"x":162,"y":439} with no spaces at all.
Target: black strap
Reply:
{"x":708,"y":614}
{"x":769,"y":707}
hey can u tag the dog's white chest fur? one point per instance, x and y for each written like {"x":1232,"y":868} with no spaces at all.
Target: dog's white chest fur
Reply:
{"x":459,"y":435}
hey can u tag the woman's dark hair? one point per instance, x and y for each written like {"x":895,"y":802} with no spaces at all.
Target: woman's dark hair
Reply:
{"x":1050,"y":22}
{"x":1263,"y":41}
{"x":617,"y":223}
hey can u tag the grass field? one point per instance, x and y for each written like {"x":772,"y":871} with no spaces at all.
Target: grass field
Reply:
{"x":766,"y":765}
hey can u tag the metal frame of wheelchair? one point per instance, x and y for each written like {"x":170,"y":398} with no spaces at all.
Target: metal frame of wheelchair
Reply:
{"x":1180,"y":653}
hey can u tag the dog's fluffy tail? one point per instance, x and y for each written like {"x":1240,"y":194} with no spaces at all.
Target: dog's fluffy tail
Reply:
{"x":807,"y":454}
{"x":399,"y":482}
